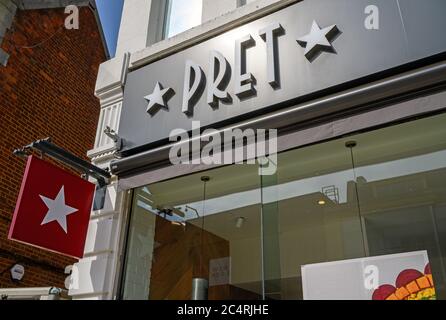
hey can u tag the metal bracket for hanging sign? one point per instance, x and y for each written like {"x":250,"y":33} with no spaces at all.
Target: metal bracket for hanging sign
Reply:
{"x":46,"y":147}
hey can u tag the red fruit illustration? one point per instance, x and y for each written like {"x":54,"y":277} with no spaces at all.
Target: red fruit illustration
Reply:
{"x":407,"y":276}
{"x":427,"y":269}
{"x":410,"y":284}
{"x":383,"y":292}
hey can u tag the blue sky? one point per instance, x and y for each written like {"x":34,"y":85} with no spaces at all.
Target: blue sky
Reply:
{"x":110,"y":13}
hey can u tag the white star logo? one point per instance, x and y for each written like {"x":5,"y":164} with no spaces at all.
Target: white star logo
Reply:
{"x":318,"y":40}
{"x":57,"y":210}
{"x":158,"y":99}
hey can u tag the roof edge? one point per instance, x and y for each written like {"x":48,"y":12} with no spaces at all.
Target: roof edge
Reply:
{"x":54,"y":4}
{"x":48,"y":4}
{"x":94,"y":9}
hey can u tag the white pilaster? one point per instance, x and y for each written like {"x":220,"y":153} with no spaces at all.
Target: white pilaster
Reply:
{"x":134,"y":29}
{"x":110,"y":91}
{"x":93,"y":277}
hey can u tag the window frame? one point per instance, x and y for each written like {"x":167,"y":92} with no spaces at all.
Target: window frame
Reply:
{"x":166,"y":19}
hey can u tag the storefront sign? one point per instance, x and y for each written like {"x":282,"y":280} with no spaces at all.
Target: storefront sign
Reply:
{"x":282,"y":59}
{"x":406,"y":276}
{"x":53,"y":209}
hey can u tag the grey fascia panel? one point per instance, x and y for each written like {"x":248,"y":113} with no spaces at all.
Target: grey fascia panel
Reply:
{"x":368,"y":94}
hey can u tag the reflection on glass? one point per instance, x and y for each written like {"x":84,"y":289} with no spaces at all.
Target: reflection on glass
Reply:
{"x":182,"y":15}
{"x":401,"y":174}
{"x":186,"y":238}
{"x":386,"y":195}
{"x":327,"y":202}
{"x":311,"y":214}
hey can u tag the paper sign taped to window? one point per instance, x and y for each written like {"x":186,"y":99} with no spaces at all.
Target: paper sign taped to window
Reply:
{"x":405,"y":276}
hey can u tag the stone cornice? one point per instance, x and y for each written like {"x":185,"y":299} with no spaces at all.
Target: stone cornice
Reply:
{"x":111,"y":79}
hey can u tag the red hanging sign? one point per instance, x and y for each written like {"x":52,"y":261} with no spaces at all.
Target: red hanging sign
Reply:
{"x":53,"y":209}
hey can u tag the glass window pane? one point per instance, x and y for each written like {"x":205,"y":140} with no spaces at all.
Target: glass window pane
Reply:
{"x":386,"y":195}
{"x":182,"y":15}
{"x":184,"y":229}
{"x":310,"y":215}
{"x":402,"y":191}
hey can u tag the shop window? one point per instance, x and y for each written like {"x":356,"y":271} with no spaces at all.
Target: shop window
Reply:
{"x":185,"y":230}
{"x":376,"y":193}
{"x":401,"y":186}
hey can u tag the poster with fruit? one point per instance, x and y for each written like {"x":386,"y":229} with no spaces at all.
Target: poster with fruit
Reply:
{"x":405,"y":276}
{"x":410,"y":284}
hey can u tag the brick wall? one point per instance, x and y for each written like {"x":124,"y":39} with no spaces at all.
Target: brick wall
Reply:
{"x":45,"y":90}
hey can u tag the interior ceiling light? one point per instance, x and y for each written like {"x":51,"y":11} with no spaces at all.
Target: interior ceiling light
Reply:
{"x":178,"y":223}
{"x":239,"y":222}
{"x":200,"y":284}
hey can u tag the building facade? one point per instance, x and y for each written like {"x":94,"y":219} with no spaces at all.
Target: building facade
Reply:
{"x":356,"y":93}
{"x":46,"y":90}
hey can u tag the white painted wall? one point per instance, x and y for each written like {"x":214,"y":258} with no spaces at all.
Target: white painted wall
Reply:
{"x":134,"y":29}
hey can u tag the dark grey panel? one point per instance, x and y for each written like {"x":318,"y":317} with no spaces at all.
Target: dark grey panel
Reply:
{"x":359,"y":52}
{"x":397,"y":86}
{"x":335,"y":129}
{"x":425,"y":25}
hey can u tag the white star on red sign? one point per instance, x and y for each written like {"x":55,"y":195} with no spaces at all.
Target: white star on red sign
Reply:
{"x":57,"y":210}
